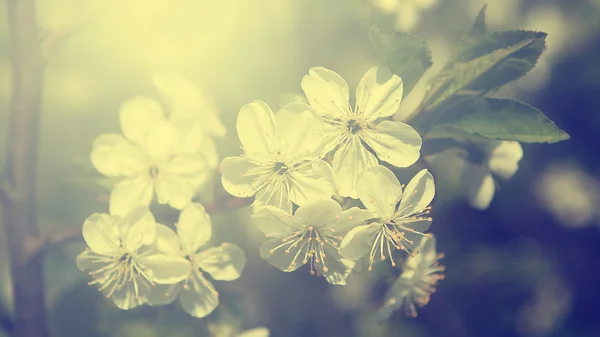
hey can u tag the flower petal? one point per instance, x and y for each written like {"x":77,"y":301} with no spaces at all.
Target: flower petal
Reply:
{"x":89,"y":260}
{"x":271,"y":252}
{"x":162,"y":142}
{"x":327,"y":92}
{"x":178,"y":180}
{"x":138,"y":117}
{"x":256,"y":332}
{"x":351,"y":218}
{"x":378,"y":93}
{"x":167,"y":241}
{"x":237,"y":177}
{"x":379,"y":190}
{"x":276,"y":223}
{"x":504,"y":159}
{"x":311,"y":182}
{"x":359,"y":241}
{"x":333,"y":267}
{"x":132,"y":293}
{"x":129,"y":194}
{"x":276,"y":193}
{"x":101,"y":233}
{"x":194,"y":227}
{"x":418,"y":194}
{"x":138,"y":228}
{"x":395,"y":142}
{"x":199,"y":298}
{"x":114,"y":156}
{"x":163,"y":294}
{"x":300,"y":132}
{"x":350,"y":161}
{"x":478,"y":185}
{"x":320,"y":213}
{"x":223,"y":263}
{"x":163,"y":268}
{"x":257,"y":130}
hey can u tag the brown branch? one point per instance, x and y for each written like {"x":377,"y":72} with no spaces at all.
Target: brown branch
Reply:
{"x":18,"y":180}
{"x":53,"y":39}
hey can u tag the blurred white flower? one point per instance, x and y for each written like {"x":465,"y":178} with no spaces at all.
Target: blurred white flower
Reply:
{"x":280,"y":164}
{"x":401,"y":216}
{"x":193,"y":113}
{"x":310,"y":236}
{"x":407,"y":12}
{"x":349,"y":132}
{"x":256,"y":332}
{"x":121,"y":260}
{"x":197,"y":295}
{"x":150,"y":158}
{"x":412,"y":289}
{"x":488,"y":159}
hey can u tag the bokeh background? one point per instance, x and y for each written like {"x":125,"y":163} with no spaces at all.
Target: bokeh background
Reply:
{"x":527,"y":266}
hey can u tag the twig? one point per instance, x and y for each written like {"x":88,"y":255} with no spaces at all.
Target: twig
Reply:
{"x":52,"y":39}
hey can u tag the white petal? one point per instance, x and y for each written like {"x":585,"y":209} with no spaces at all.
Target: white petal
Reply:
{"x":138,"y":117}
{"x":276,"y":193}
{"x":319,"y":213}
{"x":237,"y":177}
{"x":114,"y":156}
{"x":178,"y":180}
{"x":418,"y":194}
{"x":311,"y":182}
{"x":504,"y":159}
{"x":332,"y":138}
{"x":395,"y":142}
{"x":378,"y":93}
{"x":167,"y":241}
{"x":256,"y":332}
{"x":359,"y":241}
{"x":257,"y":130}
{"x":351,"y":218}
{"x":163,"y":294}
{"x":333,"y":267}
{"x":379,"y":190}
{"x":194,"y":227}
{"x":198,"y":142}
{"x":125,"y":298}
{"x":223,"y":263}
{"x":300,"y":132}
{"x":90,"y":261}
{"x":101,"y":233}
{"x":162,"y":142}
{"x":276,"y":223}
{"x":478,"y":185}
{"x":327,"y":92}
{"x":199,"y":298}
{"x":278,"y":257}
{"x":138,"y":228}
{"x":349,"y":162}
{"x":163,"y":268}
{"x":129,"y":194}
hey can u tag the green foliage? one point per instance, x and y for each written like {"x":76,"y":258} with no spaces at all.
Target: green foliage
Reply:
{"x":407,"y":56}
{"x":505,"y":119}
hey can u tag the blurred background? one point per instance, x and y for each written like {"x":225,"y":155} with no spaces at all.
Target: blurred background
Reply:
{"x":526,"y":266}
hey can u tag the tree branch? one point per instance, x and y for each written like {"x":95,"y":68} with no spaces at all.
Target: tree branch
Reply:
{"x":53,"y":39}
{"x":18,"y":181}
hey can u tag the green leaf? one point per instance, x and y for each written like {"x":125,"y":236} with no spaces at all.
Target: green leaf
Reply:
{"x":491,"y":61}
{"x":406,"y":55}
{"x":496,"y":118}
{"x":479,"y":26}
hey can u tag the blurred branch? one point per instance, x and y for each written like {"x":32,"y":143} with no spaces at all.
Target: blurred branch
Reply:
{"x":54,"y":38}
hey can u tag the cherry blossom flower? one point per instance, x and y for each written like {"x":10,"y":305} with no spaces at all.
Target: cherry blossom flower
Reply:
{"x":150,"y":159}
{"x":311,"y":236}
{"x":401,"y":219}
{"x":280,"y":164}
{"x":121,"y":260}
{"x":226,"y":262}
{"x":413,"y":288}
{"x":353,"y":133}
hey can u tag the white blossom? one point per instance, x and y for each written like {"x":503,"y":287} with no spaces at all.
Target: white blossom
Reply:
{"x":407,"y":12}
{"x":413,"y":288}
{"x":400,"y":215}
{"x":196,"y":293}
{"x":150,"y":159}
{"x":352,"y":132}
{"x":311,"y":236}
{"x":121,"y":260}
{"x":280,"y":164}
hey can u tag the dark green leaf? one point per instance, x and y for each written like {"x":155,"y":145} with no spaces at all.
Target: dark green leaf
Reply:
{"x":407,"y":56}
{"x":505,"y":119}
{"x":479,"y":26}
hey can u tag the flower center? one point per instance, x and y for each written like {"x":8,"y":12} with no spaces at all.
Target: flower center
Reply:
{"x":153,"y":171}
{"x":280,"y":168}
{"x":354,"y":126}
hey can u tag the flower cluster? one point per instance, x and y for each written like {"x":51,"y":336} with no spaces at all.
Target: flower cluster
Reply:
{"x":297,"y":159}
{"x":133,"y":259}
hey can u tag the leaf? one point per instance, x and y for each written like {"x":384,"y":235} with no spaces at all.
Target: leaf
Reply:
{"x":479,"y":26}
{"x":491,"y":61}
{"x":407,"y":56}
{"x":505,"y":119}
